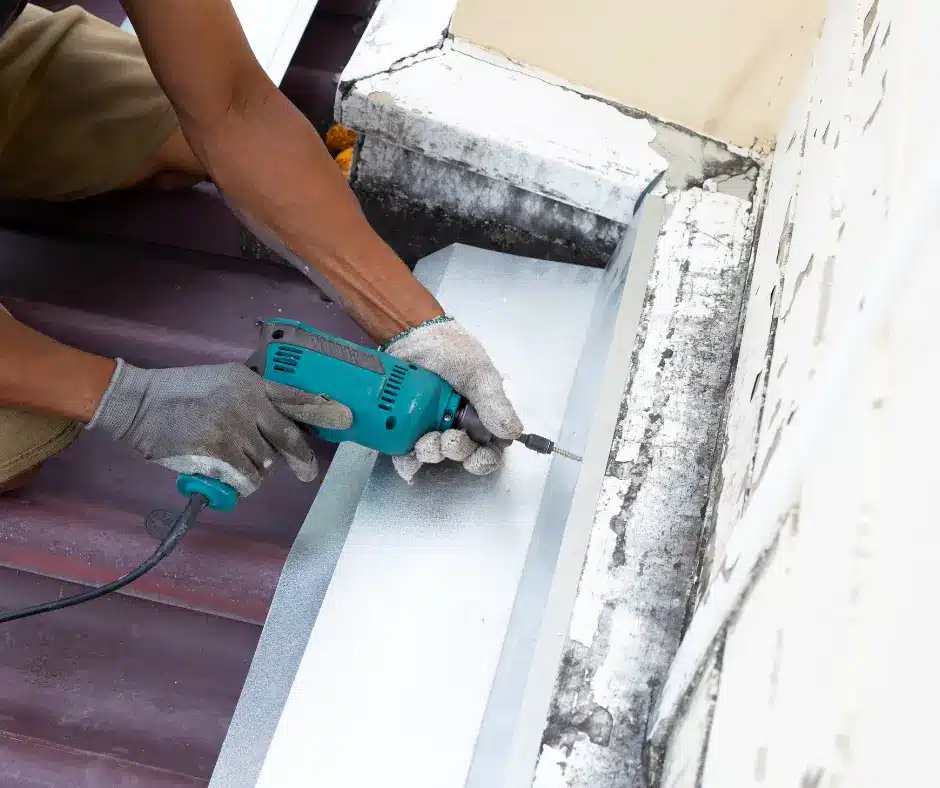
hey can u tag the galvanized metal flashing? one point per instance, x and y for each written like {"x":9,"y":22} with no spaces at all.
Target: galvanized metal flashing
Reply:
{"x":427,"y":628}
{"x":508,"y":746}
{"x":420,"y":604}
{"x":304,"y":581}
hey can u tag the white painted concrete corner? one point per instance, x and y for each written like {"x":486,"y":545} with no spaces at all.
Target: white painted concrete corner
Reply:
{"x":644,"y":546}
{"x":682,"y":766}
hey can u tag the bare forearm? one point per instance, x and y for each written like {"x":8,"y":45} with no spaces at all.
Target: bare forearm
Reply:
{"x":271,"y":163}
{"x":40,"y":374}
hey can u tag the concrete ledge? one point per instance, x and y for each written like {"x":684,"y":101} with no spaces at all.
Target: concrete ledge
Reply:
{"x":510,"y":127}
{"x":463,"y":145}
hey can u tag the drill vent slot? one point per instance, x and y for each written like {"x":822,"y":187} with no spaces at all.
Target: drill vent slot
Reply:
{"x":286,"y":358}
{"x":392,"y":387}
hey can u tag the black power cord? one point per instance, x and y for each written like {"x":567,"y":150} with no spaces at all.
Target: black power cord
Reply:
{"x":177,"y":531}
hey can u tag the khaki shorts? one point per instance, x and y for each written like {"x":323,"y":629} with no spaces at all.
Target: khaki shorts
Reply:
{"x":81,"y":114}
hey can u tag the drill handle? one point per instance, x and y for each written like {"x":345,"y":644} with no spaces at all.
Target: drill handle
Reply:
{"x":220,"y":496}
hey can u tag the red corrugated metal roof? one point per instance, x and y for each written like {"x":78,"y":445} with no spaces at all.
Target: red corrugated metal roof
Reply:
{"x":137,"y":689}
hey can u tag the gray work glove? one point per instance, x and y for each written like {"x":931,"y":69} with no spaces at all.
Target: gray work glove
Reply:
{"x":447,"y":349}
{"x":221,"y":421}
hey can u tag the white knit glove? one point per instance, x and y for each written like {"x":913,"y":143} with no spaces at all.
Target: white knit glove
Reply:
{"x":220,"y":421}
{"x":445,"y":348}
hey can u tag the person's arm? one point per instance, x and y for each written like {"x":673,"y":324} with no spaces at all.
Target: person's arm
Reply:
{"x":221,"y":421}
{"x":272,"y":166}
{"x":270,"y":162}
{"x":39,"y":374}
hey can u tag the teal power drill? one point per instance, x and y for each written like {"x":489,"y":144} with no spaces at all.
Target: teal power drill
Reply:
{"x":393,"y":403}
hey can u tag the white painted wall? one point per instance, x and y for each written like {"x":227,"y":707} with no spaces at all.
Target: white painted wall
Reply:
{"x":827,"y":675}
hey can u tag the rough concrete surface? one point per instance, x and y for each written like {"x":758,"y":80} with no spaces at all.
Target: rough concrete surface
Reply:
{"x":644,"y":549}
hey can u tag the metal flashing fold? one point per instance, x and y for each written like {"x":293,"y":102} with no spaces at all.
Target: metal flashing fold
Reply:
{"x":413,"y":638}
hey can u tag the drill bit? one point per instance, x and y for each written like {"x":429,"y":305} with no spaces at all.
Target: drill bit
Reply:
{"x":567,"y":454}
{"x":544,"y":446}
{"x":468,"y":420}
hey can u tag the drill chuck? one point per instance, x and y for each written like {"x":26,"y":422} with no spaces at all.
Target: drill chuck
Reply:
{"x":537,"y":443}
{"x":468,"y":420}
{"x":544,"y":446}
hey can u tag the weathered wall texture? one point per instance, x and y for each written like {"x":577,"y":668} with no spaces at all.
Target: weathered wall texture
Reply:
{"x":826,"y":674}
{"x":644,"y":545}
{"x":725,"y":68}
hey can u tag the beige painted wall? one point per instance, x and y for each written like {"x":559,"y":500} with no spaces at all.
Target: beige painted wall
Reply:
{"x":726,"y":68}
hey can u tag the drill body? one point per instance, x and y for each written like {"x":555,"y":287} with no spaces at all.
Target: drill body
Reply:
{"x":393,"y":403}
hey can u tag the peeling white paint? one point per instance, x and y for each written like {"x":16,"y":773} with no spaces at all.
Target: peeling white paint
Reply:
{"x":758,"y":154}
{"x":411,"y":89}
{"x":397,"y":31}
{"x":762,"y":310}
{"x":776,"y":495}
{"x":550,"y":772}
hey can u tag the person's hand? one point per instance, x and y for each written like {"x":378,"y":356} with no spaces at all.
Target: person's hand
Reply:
{"x":221,"y":421}
{"x":445,"y":348}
